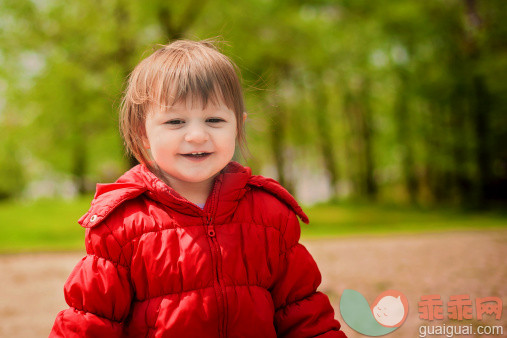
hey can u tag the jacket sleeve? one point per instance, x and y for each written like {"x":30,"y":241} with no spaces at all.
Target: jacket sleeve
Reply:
{"x":98,"y":292}
{"x":300,"y":310}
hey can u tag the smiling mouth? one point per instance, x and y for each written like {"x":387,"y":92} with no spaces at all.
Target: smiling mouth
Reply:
{"x":198,"y":154}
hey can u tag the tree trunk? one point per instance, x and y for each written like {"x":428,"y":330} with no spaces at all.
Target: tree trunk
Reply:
{"x":405,"y":137}
{"x":359,"y":116}
{"x":481,"y":114}
{"x":354,"y":165}
{"x":325,"y":140}
{"x":434,"y":149}
{"x":365,"y":118}
{"x":460,"y":109}
{"x":79,"y":164}
{"x":481,"y":108}
{"x":277,"y":135}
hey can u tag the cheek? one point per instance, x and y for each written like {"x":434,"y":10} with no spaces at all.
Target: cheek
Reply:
{"x":227,"y":138}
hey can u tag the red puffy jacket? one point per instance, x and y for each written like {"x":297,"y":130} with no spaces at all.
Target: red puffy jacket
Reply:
{"x":159,"y":266}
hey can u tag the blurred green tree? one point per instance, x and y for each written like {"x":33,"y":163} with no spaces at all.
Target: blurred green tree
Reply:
{"x":389,"y":100}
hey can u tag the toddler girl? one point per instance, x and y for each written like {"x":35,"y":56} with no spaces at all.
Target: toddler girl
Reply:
{"x":188,"y":243}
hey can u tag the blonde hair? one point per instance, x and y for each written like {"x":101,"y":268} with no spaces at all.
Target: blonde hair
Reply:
{"x":181,"y":70}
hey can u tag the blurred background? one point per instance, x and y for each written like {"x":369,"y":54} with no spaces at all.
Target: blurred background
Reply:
{"x":382,"y":117}
{"x":399,"y":103}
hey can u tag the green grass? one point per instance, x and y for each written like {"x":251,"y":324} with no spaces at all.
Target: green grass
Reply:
{"x":360,"y":219}
{"x":49,"y":225}
{"x":42,"y":225}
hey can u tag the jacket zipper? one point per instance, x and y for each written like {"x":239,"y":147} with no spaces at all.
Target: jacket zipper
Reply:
{"x":217,"y":270}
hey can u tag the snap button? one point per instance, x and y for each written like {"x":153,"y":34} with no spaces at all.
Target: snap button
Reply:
{"x":211,"y":233}
{"x":93,"y":218}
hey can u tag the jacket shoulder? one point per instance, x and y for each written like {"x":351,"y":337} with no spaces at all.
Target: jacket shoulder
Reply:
{"x":273,"y":196}
{"x":110,"y":196}
{"x":107,"y":198}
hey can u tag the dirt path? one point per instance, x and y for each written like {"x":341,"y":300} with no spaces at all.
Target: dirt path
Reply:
{"x":446,"y":264}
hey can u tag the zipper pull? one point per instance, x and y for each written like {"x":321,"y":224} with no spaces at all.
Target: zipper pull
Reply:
{"x":209,"y":221}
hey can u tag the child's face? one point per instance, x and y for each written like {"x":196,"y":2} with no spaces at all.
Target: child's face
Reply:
{"x":190,"y":144}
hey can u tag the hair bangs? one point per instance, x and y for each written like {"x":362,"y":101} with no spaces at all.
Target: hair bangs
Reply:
{"x":195,"y":80}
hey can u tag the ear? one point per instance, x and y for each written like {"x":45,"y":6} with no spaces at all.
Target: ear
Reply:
{"x":244,"y":116}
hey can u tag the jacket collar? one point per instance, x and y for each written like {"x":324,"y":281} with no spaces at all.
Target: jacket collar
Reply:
{"x":230,"y":186}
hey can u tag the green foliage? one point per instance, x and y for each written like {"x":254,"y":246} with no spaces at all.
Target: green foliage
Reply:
{"x":400,"y":100}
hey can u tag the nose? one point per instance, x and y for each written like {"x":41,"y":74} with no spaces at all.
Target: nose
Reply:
{"x":196,"y":133}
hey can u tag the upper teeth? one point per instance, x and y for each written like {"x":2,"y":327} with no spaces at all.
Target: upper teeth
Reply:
{"x":199,"y":153}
